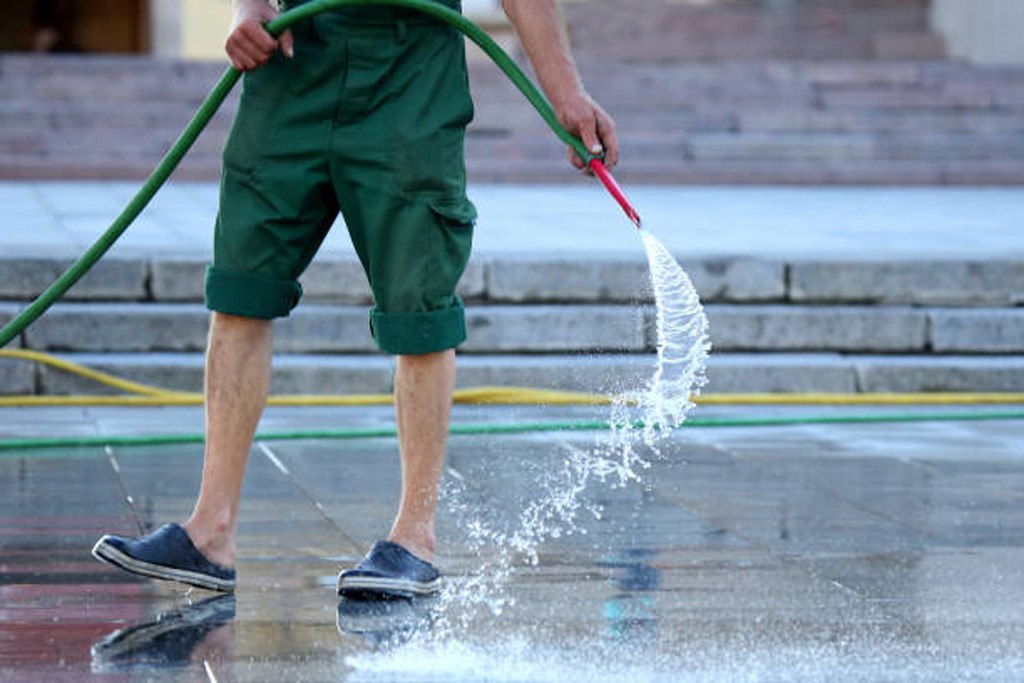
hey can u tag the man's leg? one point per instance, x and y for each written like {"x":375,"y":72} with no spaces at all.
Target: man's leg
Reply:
{"x":423,"y":400}
{"x":238,"y":359}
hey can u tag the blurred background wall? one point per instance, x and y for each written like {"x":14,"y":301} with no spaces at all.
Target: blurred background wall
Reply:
{"x":980,"y":31}
{"x":983,"y":31}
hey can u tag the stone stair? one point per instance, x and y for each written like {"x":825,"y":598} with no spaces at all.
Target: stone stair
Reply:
{"x":717,"y":30}
{"x":809,"y":92}
{"x":552,"y":322}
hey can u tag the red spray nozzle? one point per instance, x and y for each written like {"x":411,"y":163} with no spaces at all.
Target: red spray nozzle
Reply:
{"x":605,"y":176}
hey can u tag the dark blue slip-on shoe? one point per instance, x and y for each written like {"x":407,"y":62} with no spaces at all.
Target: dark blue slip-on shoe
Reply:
{"x":389,"y":571}
{"x":166,"y":553}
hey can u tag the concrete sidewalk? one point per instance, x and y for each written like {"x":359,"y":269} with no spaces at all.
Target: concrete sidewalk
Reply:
{"x":63,"y":218}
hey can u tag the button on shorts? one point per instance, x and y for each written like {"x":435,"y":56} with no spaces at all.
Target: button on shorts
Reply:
{"x":368,"y":118}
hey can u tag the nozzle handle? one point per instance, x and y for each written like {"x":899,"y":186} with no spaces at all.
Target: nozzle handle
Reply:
{"x":605,"y":176}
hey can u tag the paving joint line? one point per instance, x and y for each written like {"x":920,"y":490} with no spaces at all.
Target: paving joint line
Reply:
{"x":280,"y":466}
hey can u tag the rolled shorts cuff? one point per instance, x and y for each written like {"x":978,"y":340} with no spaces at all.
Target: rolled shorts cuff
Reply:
{"x":412,"y":334}
{"x":249,"y":295}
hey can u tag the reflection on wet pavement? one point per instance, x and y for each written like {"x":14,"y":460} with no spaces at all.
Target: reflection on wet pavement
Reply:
{"x":869,"y":552}
{"x":166,"y":641}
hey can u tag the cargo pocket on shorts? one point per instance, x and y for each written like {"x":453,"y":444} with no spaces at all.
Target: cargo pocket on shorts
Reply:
{"x":454,"y":219}
{"x":457,"y":214}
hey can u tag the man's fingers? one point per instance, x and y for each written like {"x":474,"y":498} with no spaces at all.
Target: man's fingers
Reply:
{"x":287,"y":43}
{"x":574,"y":158}
{"x":595,"y":129}
{"x":253,"y":33}
{"x":244,"y":55}
{"x":588,"y":133}
{"x":240,"y":59}
{"x":249,"y":45}
{"x":606,"y":129}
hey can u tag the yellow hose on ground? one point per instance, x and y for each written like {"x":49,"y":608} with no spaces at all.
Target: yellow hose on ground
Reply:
{"x":147,"y":395}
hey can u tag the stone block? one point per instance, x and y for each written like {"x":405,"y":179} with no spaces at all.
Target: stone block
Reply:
{"x":178,"y":279}
{"x":780,"y":373}
{"x":823,"y":147}
{"x":607,"y":374}
{"x":295,"y":374}
{"x":120,"y":327}
{"x":292,"y":374}
{"x":175,"y":371}
{"x":948,"y":373}
{"x":736,"y":279}
{"x":343,"y":281}
{"x":540,"y":329}
{"x":17,"y":377}
{"x":817,"y":328}
{"x":903,"y":98}
{"x":611,"y":374}
{"x":336,"y":281}
{"x":845,"y":73}
{"x":908,"y":45}
{"x":912,"y":282}
{"x":535,"y":279}
{"x":983,"y":172}
{"x":887,"y":172}
{"x":9,"y":312}
{"x":473,"y":284}
{"x":932,"y":146}
{"x":545,"y":279}
{"x":978,"y":331}
{"x":318,"y":329}
{"x":112,"y":278}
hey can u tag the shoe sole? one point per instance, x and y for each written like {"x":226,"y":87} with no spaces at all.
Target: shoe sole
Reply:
{"x":107,"y":553}
{"x":374,"y":586}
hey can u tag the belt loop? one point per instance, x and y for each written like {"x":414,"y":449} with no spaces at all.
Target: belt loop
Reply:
{"x":402,"y":30}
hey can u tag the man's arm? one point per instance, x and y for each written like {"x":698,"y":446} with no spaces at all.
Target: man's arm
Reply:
{"x":541,"y":30}
{"x":249,"y":45}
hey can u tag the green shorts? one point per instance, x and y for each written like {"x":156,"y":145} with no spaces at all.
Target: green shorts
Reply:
{"x":368,"y":118}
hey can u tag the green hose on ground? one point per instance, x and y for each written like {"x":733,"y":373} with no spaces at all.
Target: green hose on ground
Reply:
{"x":16,"y":447}
{"x":213,"y":102}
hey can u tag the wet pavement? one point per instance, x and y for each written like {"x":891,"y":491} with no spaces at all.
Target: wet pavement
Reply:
{"x":807,"y":553}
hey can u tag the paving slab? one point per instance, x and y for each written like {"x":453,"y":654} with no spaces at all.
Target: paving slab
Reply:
{"x":943,"y":373}
{"x":807,"y":552}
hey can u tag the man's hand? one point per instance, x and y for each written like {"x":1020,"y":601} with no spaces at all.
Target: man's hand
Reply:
{"x":249,"y":45}
{"x":585,"y":119}
{"x":541,"y":30}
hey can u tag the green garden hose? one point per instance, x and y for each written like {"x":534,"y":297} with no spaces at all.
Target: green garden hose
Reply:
{"x":17,"y":446}
{"x":213,"y":102}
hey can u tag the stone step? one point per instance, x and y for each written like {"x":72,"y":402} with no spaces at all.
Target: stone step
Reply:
{"x":804,"y":29}
{"x":545,"y":329}
{"x":758,"y":121}
{"x":727,"y":373}
{"x":581,"y":278}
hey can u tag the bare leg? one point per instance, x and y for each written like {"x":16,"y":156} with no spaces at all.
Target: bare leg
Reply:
{"x":423,"y":401}
{"x":237,"y":381}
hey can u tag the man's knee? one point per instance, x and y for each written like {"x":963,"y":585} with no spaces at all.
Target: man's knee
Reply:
{"x":238,"y":324}
{"x":425,"y":358}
